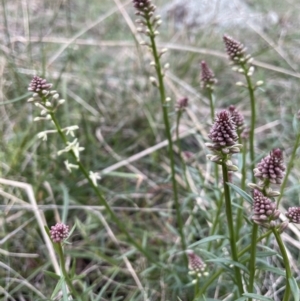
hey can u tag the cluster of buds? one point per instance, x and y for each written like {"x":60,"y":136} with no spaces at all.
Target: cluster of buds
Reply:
{"x":293,"y":214}
{"x":264,"y":210}
{"x":270,"y":170}
{"x":196,"y":265}
{"x":207,"y":77}
{"x":148,"y":22}
{"x":236,"y":51}
{"x":59,"y":232}
{"x":224,"y":137}
{"x":237,"y":117}
{"x":44,"y":98}
{"x":242,"y":61}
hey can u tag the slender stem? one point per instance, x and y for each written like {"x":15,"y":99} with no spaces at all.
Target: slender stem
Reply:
{"x":252,"y":261}
{"x":286,"y":264}
{"x":65,"y":273}
{"x":212,"y":116}
{"x":232,"y":240}
{"x":164,"y":105}
{"x":216,"y":220}
{"x":179,"y":114}
{"x":239,"y":216}
{"x":212,"y":105}
{"x":289,"y":168}
{"x":112,"y":214}
{"x":253,"y":118}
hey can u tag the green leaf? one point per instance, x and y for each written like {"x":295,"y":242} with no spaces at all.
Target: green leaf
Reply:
{"x":272,"y":270}
{"x":294,"y":288}
{"x":58,"y":287}
{"x":257,"y":297}
{"x":266,"y":253}
{"x":241,"y":192}
{"x":27,"y":95}
{"x":52,"y":275}
{"x":207,"y":239}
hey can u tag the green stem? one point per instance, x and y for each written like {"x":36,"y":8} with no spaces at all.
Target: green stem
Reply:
{"x":232,"y":240}
{"x":286,"y":264}
{"x":252,"y":261}
{"x":179,"y":114}
{"x":253,"y":118}
{"x":212,"y":105}
{"x":102,"y":200}
{"x":65,"y":273}
{"x":239,"y":216}
{"x":216,"y":220}
{"x":289,"y":168}
{"x":164,"y":106}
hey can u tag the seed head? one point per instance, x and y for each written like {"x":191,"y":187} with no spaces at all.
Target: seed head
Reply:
{"x":264,"y":210}
{"x":293,"y":214}
{"x":59,"y":232}
{"x":39,"y":84}
{"x":271,"y":167}
{"x":207,"y":78}
{"x":237,"y":116}
{"x":223,"y":132}
{"x":234,"y":49}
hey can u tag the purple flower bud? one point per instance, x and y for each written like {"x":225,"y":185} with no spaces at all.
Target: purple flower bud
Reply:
{"x":264,"y":210}
{"x":234,"y":49}
{"x":236,"y":115}
{"x":223,"y":132}
{"x":38,"y":84}
{"x":195,"y":262}
{"x":182,"y":103}
{"x":293,"y":214}
{"x":207,"y":78}
{"x":144,"y":7}
{"x":59,"y":232}
{"x":271,"y":167}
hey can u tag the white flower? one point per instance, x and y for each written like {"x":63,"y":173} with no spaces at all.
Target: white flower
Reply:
{"x":94,"y":176}
{"x":47,"y":117}
{"x":72,"y":146}
{"x":42,"y":135}
{"x":70,"y":130}
{"x":69,"y":166}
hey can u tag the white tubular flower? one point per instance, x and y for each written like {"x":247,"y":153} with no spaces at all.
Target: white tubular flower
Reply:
{"x":94,"y":176}
{"x":42,"y":135}
{"x":69,"y":166}
{"x":70,"y":130}
{"x":74,"y":146}
{"x":47,"y":117}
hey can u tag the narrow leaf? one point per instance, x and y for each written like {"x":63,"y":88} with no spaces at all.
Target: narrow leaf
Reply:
{"x":294,"y":288}
{"x":207,"y":239}
{"x":257,"y":297}
{"x":241,"y":192}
